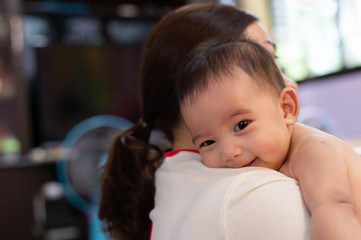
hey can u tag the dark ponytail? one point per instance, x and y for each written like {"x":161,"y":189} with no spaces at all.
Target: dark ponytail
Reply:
{"x":128,"y":184}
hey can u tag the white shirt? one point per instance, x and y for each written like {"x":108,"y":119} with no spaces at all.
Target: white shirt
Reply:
{"x":196,"y":202}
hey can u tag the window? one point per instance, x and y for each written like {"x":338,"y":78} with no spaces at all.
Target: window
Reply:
{"x":318,"y":37}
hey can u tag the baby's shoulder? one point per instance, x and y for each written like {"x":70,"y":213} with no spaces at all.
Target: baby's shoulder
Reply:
{"x":308,"y":144}
{"x":311,"y":143}
{"x":312,"y":149}
{"x":312,"y":138}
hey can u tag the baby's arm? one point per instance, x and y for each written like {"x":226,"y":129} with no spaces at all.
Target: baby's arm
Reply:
{"x":320,"y":168}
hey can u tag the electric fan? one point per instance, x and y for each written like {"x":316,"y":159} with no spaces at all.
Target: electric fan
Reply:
{"x":85,"y":151}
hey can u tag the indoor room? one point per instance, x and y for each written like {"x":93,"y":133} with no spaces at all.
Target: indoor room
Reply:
{"x":73,"y":79}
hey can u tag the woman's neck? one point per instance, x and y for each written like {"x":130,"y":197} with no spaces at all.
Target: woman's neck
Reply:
{"x":182,"y":138}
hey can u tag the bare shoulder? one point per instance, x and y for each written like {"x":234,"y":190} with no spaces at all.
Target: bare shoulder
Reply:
{"x":325,"y":165}
{"x":311,"y":147}
{"x":314,"y":141}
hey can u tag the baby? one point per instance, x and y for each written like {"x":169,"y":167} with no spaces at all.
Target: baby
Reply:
{"x":240,"y":114}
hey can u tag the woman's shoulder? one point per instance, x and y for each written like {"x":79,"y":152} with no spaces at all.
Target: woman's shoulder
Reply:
{"x":267,"y":200}
{"x":219,"y":198}
{"x":189,"y":162}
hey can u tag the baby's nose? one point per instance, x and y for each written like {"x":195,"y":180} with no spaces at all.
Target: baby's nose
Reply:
{"x":231,"y":152}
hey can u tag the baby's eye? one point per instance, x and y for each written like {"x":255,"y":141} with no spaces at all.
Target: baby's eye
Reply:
{"x":207,"y":143}
{"x":241,"y":125}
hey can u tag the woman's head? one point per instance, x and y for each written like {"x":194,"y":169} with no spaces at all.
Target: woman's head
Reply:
{"x":166,"y":48}
{"x":257,"y":33}
{"x":128,"y":178}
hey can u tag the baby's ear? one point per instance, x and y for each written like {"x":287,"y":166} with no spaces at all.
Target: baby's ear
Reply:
{"x":289,"y":104}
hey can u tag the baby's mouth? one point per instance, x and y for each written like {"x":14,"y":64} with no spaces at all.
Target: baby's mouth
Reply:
{"x":251,"y":164}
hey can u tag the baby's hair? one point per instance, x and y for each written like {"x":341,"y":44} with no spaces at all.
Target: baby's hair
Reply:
{"x":218,"y":57}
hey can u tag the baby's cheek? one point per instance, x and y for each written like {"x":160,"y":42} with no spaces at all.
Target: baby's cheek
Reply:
{"x":205,"y":160}
{"x":208,"y":160}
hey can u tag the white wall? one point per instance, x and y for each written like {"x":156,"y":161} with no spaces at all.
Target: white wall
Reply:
{"x":334,"y":102}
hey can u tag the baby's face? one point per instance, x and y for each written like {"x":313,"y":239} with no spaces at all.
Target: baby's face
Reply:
{"x":234,"y":123}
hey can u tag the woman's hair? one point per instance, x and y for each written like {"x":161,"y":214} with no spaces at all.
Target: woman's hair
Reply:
{"x":128,"y":179}
{"x":216,"y":58}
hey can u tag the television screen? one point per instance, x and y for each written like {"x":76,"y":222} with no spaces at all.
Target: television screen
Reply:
{"x":73,"y":83}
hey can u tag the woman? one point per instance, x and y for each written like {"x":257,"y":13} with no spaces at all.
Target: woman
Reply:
{"x":128,"y":188}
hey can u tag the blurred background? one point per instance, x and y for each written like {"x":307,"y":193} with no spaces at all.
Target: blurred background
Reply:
{"x":68,"y":83}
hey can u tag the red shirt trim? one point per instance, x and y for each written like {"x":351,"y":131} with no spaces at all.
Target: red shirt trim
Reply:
{"x":151,"y":230}
{"x":172,"y":153}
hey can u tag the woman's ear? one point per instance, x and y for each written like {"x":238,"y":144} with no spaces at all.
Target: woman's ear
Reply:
{"x":289,"y":105}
